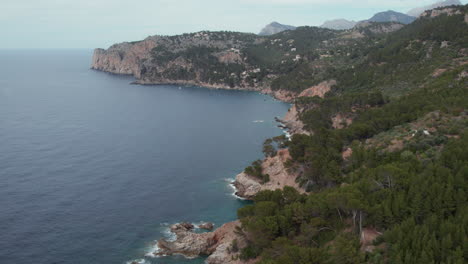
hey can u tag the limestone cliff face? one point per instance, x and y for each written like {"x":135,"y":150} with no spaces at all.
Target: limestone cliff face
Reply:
{"x":248,"y":186}
{"x":124,"y":58}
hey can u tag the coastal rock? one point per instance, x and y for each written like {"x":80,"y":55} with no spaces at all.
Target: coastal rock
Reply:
{"x":184,"y":225}
{"x":123,"y":58}
{"x":293,"y":123}
{"x":187,"y":243}
{"x":206,"y":226}
{"x":217,"y":245}
{"x":248,"y":186}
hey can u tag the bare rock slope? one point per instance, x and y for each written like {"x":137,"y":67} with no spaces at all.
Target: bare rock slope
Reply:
{"x":217,"y":245}
{"x":248,"y":186}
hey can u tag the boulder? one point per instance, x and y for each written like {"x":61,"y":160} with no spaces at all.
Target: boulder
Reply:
{"x":206,"y":226}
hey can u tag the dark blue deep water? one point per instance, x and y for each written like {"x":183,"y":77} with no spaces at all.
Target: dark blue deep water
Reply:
{"x":92,"y":169}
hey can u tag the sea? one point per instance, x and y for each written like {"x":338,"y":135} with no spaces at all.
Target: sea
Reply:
{"x":93,"y":169}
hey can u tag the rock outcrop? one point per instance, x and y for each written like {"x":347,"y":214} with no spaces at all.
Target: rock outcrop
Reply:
{"x":449,"y":11}
{"x":419,"y":10}
{"x":206,"y":226}
{"x":293,"y":123}
{"x":248,"y":186}
{"x":368,"y":236}
{"x":217,"y":245}
{"x":319,"y":90}
{"x":377,"y":28}
{"x":123,"y":58}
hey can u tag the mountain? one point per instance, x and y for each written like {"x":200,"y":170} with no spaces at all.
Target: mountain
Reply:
{"x":418,"y":10}
{"x":339,"y":24}
{"x":392,"y":16}
{"x":274,"y":28}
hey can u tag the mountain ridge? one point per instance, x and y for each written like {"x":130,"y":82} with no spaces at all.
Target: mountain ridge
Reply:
{"x":274,"y":28}
{"x":419,"y":10}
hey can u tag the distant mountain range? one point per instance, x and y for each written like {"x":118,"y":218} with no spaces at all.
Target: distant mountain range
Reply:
{"x":274,"y":28}
{"x":418,"y":11}
{"x":344,"y":24}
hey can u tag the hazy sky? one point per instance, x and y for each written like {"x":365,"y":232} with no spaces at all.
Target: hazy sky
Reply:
{"x":100,"y":23}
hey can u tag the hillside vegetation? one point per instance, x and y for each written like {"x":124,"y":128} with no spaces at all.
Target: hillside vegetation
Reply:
{"x":400,"y":195}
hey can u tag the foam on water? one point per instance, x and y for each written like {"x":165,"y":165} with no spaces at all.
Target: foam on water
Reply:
{"x":151,"y":253}
{"x":230,"y":182}
{"x":138,"y":261}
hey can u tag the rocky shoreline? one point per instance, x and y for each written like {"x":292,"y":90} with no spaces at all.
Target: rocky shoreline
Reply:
{"x":221,"y":246}
{"x":248,"y":186}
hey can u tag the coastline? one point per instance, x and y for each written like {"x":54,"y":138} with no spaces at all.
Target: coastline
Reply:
{"x":190,"y":244}
{"x":279,"y":95}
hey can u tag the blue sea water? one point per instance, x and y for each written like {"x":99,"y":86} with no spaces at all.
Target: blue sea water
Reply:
{"x":93,"y":169}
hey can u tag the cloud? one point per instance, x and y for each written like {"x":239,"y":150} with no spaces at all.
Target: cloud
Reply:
{"x":354,"y":3}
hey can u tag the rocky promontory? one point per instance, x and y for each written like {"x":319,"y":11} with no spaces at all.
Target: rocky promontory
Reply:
{"x":222,"y":246}
{"x":248,"y":186}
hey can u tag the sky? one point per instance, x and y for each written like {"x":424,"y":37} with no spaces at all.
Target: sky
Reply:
{"x":64,"y":24}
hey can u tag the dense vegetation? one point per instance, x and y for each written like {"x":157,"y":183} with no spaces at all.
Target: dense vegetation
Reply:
{"x":406,"y":182}
{"x":422,"y":208}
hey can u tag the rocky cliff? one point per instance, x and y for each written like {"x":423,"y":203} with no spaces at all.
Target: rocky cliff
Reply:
{"x":232,"y":60}
{"x":124,"y":58}
{"x":248,"y":186}
{"x":219,"y":245}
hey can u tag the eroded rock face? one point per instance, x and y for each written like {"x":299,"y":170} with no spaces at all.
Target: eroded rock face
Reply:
{"x":318,"y":90}
{"x":368,"y":236}
{"x":217,"y":245}
{"x":292,"y":121}
{"x":347,"y":153}
{"x":437,"y":12}
{"x":123,"y":58}
{"x":248,"y":186}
